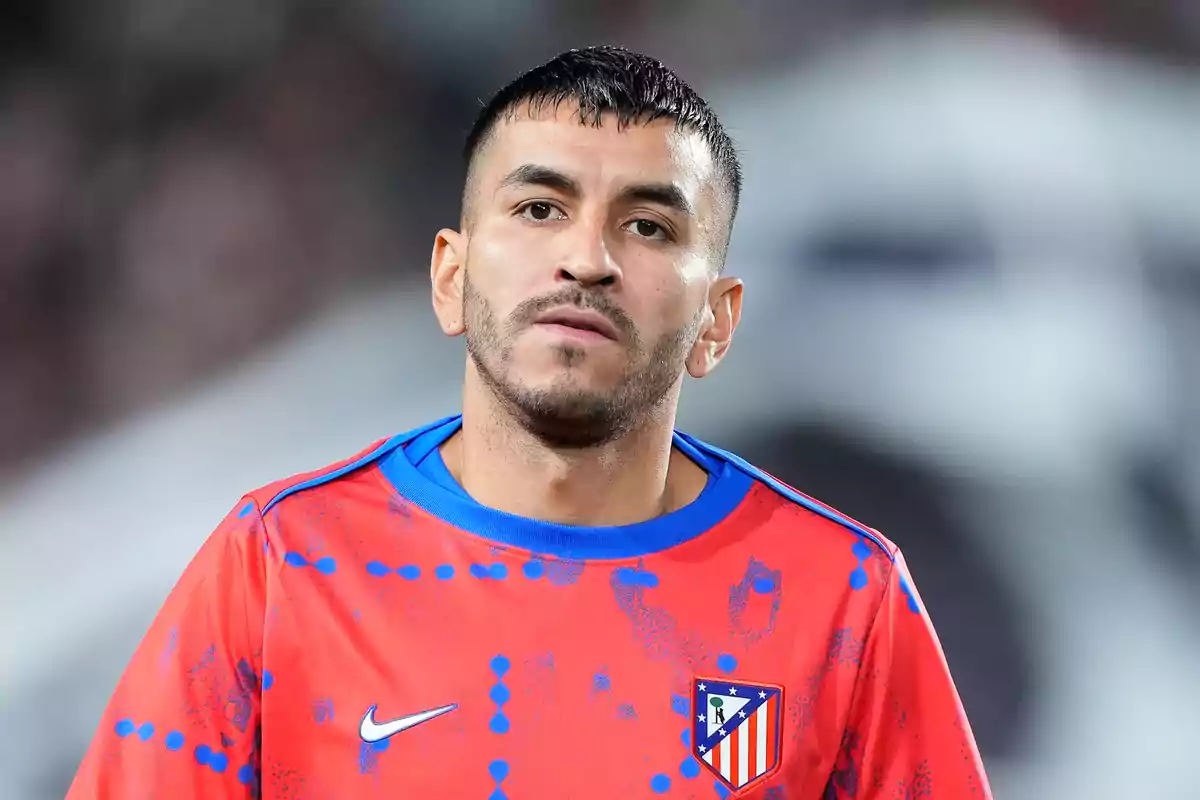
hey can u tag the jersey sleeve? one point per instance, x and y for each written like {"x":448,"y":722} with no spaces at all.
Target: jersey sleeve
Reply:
{"x":907,"y":734}
{"x":184,"y":719}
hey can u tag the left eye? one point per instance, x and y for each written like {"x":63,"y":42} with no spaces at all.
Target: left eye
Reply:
{"x":647,"y":228}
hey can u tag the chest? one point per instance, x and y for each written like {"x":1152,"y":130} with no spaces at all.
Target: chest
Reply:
{"x":512,"y":677}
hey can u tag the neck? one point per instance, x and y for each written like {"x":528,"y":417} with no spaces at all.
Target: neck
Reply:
{"x":632,"y":479}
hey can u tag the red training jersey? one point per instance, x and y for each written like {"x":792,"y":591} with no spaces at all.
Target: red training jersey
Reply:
{"x":369,"y":630}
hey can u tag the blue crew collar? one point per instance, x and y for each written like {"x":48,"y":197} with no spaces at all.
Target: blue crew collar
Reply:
{"x":412,"y":469}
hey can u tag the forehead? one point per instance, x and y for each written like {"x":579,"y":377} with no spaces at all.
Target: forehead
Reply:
{"x":601,"y":156}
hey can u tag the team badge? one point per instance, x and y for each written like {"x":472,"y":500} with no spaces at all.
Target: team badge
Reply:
{"x":736,"y":729}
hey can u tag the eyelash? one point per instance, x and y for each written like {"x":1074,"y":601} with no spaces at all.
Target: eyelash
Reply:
{"x":524,"y":207}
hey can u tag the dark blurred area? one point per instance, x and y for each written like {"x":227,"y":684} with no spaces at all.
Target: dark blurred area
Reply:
{"x":168,"y":164}
{"x":972,"y":255}
{"x":182,"y":184}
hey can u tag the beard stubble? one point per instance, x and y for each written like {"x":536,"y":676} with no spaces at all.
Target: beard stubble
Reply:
{"x":566,"y":415}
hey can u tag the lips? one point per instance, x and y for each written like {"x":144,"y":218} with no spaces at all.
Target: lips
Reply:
{"x":579,"y":319}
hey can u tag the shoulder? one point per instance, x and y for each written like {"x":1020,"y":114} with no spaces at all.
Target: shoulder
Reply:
{"x":811,"y":514}
{"x":268,"y":496}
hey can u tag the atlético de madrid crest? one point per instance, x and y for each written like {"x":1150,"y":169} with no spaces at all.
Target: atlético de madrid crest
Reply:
{"x":736,"y":729}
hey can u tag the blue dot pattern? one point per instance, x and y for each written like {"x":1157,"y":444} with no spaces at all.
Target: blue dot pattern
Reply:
{"x":498,"y":769}
{"x":499,"y":695}
{"x":215,"y":760}
{"x":495,"y":572}
{"x":126,"y":727}
{"x":636,"y":576}
{"x":858,"y":577}
{"x":409,"y":572}
{"x":556,"y":571}
{"x":499,"y":724}
{"x":174,"y":741}
{"x":689,"y":768}
{"x":325,"y":566}
{"x":726,"y":663}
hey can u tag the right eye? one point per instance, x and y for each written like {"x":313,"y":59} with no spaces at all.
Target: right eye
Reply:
{"x":540,"y":211}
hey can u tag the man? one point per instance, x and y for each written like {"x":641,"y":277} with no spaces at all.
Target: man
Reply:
{"x":553,"y":594}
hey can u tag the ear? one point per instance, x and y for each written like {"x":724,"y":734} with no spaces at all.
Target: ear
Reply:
{"x":724,"y":313}
{"x":446,"y":279}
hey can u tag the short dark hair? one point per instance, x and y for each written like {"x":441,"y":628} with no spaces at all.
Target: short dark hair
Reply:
{"x":612,"y":80}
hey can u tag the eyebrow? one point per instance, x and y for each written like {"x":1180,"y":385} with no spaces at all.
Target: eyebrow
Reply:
{"x":537,"y":175}
{"x":667,"y":195}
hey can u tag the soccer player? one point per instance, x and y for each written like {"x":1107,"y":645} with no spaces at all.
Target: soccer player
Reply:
{"x":555,"y":593}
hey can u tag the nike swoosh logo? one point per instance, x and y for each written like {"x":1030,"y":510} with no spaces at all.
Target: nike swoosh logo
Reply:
{"x":372,"y":731}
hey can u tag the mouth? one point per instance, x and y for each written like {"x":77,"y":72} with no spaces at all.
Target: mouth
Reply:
{"x":577,"y":319}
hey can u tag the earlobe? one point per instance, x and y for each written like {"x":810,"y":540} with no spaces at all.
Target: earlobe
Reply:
{"x":445,"y":277}
{"x":724,"y":312}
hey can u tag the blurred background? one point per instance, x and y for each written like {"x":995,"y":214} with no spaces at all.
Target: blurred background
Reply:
{"x":971,"y":240}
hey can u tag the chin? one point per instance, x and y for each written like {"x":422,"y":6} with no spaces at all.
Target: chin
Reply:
{"x":571,"y":420}
{"x":566,"y":390}
{"x":558,"y":376}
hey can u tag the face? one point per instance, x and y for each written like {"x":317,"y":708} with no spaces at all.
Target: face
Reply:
{"x":585,"y":279}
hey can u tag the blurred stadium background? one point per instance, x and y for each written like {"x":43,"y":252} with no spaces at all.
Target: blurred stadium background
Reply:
{"x":971,"y":236}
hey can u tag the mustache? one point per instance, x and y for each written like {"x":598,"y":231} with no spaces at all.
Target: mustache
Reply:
{"x":529,"y":310}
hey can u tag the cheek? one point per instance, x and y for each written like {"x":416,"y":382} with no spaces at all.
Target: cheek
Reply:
{"x":499,"y":267}
{"x":665,"y":306}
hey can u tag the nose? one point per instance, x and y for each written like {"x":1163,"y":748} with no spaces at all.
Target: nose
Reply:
{"x":587,"y":259}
